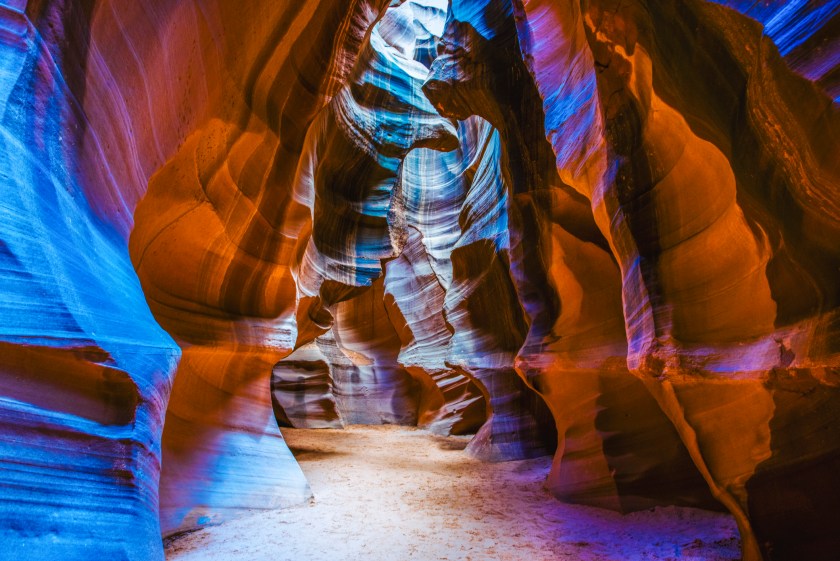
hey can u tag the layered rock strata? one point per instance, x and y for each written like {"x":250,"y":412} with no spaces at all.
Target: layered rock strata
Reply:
{"x":606,"y":228}
{"x":213,"y":244}
{"x":688,"y":159}
{"x":96,"y":98}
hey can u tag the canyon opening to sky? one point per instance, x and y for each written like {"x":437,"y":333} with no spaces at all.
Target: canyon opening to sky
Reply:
{"x":420,"y":279}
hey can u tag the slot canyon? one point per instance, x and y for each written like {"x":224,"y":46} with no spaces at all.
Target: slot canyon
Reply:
{"x":479,"y":279}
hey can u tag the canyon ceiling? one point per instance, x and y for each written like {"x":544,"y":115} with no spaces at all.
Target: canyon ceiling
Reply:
{"x":605,"y":230}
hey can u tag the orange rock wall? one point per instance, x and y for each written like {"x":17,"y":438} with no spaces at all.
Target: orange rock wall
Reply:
{"x":604,"y":230}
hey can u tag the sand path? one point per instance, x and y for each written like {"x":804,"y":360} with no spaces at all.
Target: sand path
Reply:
{"x":395,"y":493}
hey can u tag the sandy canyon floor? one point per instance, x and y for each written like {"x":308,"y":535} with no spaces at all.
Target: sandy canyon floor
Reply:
{"x":395,"y":493}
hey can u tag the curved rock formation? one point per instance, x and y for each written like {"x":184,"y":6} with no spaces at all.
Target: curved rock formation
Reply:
{"x":568,"y":284}
{"x":96,"y":97}
{"x":85,"y":370}
{"x":687,"y":176}
{"x":302,"y":390}
{"x":603,"y":229}
{"x":347,"y":176}
{"x":213,"y":244}
{"x":805,"y":34}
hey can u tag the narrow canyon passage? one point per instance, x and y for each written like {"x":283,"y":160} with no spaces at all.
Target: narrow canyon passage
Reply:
{"x":394,"y":493}
{"x":419,"y":280}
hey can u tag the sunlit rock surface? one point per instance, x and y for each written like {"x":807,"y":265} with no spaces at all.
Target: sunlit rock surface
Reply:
{"x":706,"y":160}
{"x":213,"y":244}
{"x":568,"y":287}
{"x":604,"y":230}
{"x":98,"y":98}
{"x":85,"y":371}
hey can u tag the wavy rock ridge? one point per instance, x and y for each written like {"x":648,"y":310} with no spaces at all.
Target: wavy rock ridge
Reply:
{"x":602,"y":230}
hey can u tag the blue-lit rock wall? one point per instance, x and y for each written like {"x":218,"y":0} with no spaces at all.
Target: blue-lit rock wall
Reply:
{"x":805,"y":32}
{"x":609,"y":229}
{"x":97,"y":97}
{"x":86,"y":371}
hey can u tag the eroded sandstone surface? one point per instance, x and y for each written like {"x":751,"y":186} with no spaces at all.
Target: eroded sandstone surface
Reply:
{"x":604,"y":230}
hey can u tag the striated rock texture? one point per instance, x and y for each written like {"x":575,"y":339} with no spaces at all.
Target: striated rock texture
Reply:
{"x":615,"y":448}
{"x":302,"y":393}
{"x":213,"y":244}
{"x":347,"y":176}
{"x":607,"y":230}
{"x":178,"y":105}
{"x":85,"y":371}
{"x":706,"y":161}
{"x":805,"y":34}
